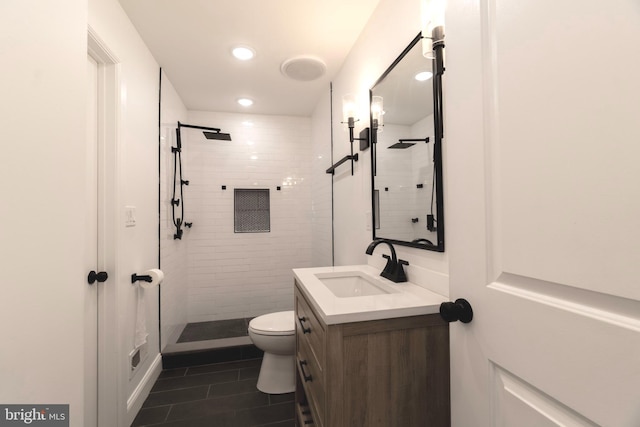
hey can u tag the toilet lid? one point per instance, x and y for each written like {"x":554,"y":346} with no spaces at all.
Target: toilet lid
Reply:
{"x":280,"y":323}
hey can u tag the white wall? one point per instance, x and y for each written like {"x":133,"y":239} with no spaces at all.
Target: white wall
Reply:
{"x":391,"y":28}
{"x":233,"y":275}
{"x":174,"y":289}
{"x":42,"y":176}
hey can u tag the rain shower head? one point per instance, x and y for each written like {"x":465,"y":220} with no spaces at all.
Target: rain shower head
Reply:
{"x":217,"y":135}
{"x":406,"y":143}
{"x":401,"y":145}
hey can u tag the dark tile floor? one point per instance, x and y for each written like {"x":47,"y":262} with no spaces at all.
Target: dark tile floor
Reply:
{"x":216,"y":395}
{"x":202,"y":331}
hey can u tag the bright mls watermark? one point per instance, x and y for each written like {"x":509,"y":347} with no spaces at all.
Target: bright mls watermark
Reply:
{"x":34,"y":415}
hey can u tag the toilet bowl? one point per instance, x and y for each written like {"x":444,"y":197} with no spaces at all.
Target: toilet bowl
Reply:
{"x":274,"y":334}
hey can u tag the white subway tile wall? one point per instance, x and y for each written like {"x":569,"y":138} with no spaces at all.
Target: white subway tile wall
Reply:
{"x":233,"y":275}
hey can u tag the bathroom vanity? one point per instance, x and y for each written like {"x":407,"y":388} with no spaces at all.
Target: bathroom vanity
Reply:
{"x":369,"y":352}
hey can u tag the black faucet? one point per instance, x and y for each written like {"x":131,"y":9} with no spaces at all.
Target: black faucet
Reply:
{"x":393,"y":270}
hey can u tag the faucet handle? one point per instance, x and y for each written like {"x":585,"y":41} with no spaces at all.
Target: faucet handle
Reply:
{"x":400,"y":275}
{"x":390,"y":267}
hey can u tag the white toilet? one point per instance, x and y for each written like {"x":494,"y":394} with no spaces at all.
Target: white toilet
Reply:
{"x":274,"y":334}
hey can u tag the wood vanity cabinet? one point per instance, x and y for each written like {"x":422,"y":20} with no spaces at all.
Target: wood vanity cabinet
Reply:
{"x":379,"y":373}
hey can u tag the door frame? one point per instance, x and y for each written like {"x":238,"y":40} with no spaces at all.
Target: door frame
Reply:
{"x":110,"y":411}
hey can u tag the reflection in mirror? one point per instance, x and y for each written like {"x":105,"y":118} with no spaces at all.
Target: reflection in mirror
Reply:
{"x":406,"y":153}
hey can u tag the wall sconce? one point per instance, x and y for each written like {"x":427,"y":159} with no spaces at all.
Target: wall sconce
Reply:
{"x":432,"y":42}
{"x":377,"y":119}
{"x":349,"y":117}
{"x":432,"y":18}
{"x":437,"y":42}
{"x":427,"y":47}
{"x":349,"y":107}
{"x":377,"y":113}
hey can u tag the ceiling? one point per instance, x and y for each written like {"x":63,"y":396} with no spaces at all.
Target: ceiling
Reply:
{"x":192,"y":42}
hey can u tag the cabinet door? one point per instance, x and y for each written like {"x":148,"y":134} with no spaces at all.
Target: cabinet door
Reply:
{"x":395,"y":372}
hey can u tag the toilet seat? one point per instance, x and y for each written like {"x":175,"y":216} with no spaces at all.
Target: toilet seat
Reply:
{"x":276,"y":324}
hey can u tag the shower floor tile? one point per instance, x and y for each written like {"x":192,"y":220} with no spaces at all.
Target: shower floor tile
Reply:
{"x":218,"y":329}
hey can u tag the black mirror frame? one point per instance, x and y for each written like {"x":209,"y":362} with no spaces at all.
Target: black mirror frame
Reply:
{"x":438,"y":67}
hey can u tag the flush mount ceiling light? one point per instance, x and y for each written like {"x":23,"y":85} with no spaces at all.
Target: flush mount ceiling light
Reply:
{"x":245,"y":102}
{"x":424,"y":75}
{"x":303,"y":68}
{"x":243,"y":53}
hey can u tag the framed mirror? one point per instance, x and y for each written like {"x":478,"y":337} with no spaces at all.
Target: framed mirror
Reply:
{"x":406,"y":153}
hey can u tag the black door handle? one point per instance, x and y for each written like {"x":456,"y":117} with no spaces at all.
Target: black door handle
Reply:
{"x":460,"y":310}
{"x":99,"y":277}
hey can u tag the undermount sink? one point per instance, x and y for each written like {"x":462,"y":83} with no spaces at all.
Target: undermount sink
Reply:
{"x":348,"y":284}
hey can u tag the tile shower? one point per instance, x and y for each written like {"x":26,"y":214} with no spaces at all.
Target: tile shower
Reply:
{"x":213,"y":273}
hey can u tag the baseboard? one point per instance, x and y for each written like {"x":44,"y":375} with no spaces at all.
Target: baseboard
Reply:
{"x":137,"y":398}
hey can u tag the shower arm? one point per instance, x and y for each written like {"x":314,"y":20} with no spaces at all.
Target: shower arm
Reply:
{"x":197,"y":127}
{"x":415,"y":140}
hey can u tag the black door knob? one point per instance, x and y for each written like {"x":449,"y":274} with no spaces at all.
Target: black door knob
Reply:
{"x":460,"y":310}
{"x":99,"y":277}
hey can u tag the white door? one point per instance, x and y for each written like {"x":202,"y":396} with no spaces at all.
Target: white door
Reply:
{"x":91,"y":245}
{"x":102,"y":396}
{"x":542,"y":137}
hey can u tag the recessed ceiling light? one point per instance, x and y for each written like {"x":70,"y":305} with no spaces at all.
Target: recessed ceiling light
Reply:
{"x":245,"y":102}
{"x":425,"y":75}
{"x":243,"y":53}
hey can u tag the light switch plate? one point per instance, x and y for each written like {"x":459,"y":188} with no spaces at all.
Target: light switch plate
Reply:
{"x":129,"y":216}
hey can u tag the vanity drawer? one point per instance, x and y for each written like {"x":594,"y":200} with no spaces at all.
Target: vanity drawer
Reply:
{"x":309,"y":329}
{"x":304,"y":416}
{"x":312,"y":380}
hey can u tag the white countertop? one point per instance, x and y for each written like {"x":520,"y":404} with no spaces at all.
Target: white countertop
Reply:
{"x":409,"y":300}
